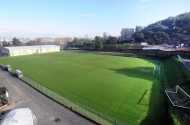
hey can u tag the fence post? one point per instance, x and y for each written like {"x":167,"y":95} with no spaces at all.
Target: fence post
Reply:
{"x":100,"y":118}
{"x":29,"y":81}
{"x":86,"y":111}
{"x":8,"y":98}
{"x":67,"y":103}
{"x":53,"y":95}
{"x":115,"y":121}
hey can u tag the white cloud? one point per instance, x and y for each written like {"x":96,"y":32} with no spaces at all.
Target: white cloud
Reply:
{"x":143,"y":1}
{"x":139,"y":7}
{"x":5,"y":24}
{"x":86,"y":15}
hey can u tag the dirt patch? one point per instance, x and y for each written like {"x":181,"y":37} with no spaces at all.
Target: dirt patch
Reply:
{"x":93,"y":59}
{"x":146,"y":70}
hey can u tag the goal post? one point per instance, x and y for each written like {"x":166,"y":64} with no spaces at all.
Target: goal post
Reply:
{"x":178,"y":97}
{"x":156,"y":70}
{"x":179,"y":57}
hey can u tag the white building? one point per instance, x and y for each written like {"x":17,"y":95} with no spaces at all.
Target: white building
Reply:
{"x":7,"y":40}
{"x":44,"y":40}
{"x":25,"y":50}
{"x":24,"y":39}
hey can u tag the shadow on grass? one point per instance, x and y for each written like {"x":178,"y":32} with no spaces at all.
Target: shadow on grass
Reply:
{"x":157,"y":103}
{"x":142,"y":97}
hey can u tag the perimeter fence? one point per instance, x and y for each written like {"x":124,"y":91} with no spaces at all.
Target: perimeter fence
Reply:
{"x":81,"y":109}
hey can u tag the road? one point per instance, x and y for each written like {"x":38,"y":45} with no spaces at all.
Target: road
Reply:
{"x":45,"y":109}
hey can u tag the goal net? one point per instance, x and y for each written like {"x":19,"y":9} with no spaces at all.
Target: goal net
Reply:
{"x":178,"y":97}
{"x":185,"y":62}
{"x":156,"y":70}
{"x":179,"y":57}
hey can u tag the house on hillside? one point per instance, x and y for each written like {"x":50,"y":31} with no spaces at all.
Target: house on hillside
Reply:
{"x":187,"y":44}
{"x":24,"y":39}
{"x":166,"y":46}
{"x":46,"y":40}
{"x":144,"y":43}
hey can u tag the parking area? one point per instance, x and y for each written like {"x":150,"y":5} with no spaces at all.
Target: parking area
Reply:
{"x":47,"y":111}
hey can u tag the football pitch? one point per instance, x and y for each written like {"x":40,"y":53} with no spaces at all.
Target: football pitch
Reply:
{"x":121,"y":87}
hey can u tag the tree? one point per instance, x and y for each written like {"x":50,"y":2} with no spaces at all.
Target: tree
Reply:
{"x":127,"y":33}
{"x":16,"y":41}
{"x":79,"y":42}
{"x":139,"y":37}
{"x":5,"y":43}
{"x":111,"y":40}
{"x":161,"y":37}
{"x":30,"y":42}
{"x":177,"y":29}
{"x":139,"y":29}
{"x":62,"y":41}
{"x":38,"y":41}
{"x":98,"y":43}
{"x":105,"y":36}
{"x":149,"y":36}
{"x":75,"y":41}
{"x":22,"y":44}
{"x":119,"y":39}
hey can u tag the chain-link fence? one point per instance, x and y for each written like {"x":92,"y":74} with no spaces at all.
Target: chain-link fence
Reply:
{"x":83,"y":110}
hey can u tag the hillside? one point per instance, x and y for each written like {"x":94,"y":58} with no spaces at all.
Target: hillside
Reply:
{"x":177,"y":24}
{"x":172,"y":29}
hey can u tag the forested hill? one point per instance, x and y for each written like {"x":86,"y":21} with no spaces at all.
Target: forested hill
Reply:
{"x":177,"y":24}
{"x":173,"y":28}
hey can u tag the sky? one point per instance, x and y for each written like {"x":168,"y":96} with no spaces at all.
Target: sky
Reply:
{"x":77,"y":18}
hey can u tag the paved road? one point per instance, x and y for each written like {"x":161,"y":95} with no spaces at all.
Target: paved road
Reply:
{"x":46,"y":110}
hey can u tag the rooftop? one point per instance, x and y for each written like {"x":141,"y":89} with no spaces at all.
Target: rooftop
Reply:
{"x":29,"y":47}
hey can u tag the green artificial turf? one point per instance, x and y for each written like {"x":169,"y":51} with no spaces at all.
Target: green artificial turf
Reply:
{"x":121,"y":87}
